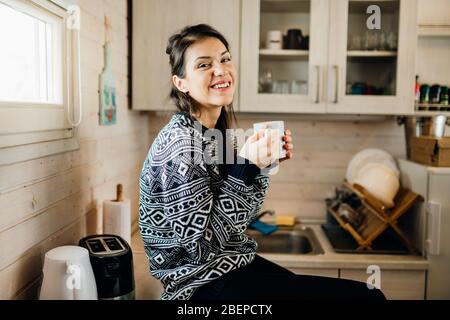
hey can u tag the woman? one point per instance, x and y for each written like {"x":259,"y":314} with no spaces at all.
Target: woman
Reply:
{"x":193,"y":212}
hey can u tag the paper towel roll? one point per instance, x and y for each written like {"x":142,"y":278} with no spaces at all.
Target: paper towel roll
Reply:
{"x":117,"y":218}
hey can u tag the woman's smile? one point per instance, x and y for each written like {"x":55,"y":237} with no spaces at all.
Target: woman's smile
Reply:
{"x":221,"y":86}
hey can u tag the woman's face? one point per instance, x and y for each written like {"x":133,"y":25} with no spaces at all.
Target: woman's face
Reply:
{"x":210,"y":74}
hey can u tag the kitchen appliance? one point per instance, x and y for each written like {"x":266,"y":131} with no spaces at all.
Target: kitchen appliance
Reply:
{"x":68,"y":275}
{"x":112,"y":263}
{"x":429,"y":222}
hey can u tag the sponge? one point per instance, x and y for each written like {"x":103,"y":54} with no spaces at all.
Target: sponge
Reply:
{"x":284,"y":220}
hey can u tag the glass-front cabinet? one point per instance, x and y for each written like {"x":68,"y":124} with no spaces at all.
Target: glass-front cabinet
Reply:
{"x":372,"y":56}
{"x":328,"y":56}
{"x":283,"y":55}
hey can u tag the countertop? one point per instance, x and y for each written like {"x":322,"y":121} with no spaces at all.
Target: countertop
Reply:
{"x":147,"y":287}
{"x":330,"y":259}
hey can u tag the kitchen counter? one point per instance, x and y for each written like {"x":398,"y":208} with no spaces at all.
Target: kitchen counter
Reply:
{"x":147,"y":287}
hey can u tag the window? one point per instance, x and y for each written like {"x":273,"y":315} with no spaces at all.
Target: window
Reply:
{"x":35,"y":73}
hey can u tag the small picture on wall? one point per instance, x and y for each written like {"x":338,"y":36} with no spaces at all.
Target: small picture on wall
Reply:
{"x":108,"y":107}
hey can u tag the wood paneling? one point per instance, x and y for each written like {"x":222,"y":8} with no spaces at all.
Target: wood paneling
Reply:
{"x":56,"y":200}
{"x":322,"y":151}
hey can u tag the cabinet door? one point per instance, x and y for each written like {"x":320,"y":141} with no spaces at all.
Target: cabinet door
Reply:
{"x":371,"y":66}
{"x":395,"y":284}
{"x":433,"y":13}
{"x":290,"y":77}
{"x":154,"y":21}
{"x":322,"y":272}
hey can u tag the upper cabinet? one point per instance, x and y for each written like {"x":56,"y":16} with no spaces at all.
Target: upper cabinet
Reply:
{"x":154,"y":21}
{"x":351,"y":56}
{"x":284,"y":71}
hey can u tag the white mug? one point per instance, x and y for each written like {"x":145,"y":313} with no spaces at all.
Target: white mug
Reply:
{"x":274,"y":125}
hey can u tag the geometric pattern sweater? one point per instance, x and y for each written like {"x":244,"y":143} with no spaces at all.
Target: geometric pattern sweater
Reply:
{"x":192,"y":219}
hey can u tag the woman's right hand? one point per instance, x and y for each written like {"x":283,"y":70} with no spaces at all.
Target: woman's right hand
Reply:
{"x":262,"y":148}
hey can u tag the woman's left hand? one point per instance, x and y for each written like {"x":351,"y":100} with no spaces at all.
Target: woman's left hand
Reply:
{"x":288,"y":145}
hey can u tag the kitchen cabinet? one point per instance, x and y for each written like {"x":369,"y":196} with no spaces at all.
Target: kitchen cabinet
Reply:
{"x":345,"y":68}
{"x":153,"y":22}
{"x":267,"y":74}
{"x":395,"y":284}
{"x":322,"y":272}
{"x":433,"y":13}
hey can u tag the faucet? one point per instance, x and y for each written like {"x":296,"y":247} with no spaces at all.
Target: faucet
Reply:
{"x":263,"y":213}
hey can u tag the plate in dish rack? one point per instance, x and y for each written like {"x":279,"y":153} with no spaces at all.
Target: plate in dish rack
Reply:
{"x":366,"y":156}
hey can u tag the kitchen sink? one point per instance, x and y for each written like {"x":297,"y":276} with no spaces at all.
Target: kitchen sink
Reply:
{"x":297,"y":240}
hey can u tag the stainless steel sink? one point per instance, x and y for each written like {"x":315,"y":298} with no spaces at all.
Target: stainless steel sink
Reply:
{"x":299,"y":240}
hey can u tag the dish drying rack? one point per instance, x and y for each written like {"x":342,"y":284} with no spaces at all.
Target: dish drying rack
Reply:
{"x":377,"y":218}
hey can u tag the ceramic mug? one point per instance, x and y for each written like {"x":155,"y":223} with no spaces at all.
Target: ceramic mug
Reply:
{"x":274,"y":125}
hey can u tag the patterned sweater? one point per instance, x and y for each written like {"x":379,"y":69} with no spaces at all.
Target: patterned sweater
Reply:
{"x":193,"y":219}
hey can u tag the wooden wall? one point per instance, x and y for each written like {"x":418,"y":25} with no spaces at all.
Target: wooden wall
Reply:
{"x":323,"y":149}
{"x":56,"y":200}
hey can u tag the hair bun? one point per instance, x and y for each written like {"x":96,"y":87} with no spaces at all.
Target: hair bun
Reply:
{"x":173,"y":42}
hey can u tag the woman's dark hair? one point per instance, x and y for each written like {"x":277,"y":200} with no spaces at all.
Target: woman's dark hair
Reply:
{"x":176,"y":48}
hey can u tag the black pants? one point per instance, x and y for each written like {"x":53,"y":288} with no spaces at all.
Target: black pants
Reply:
{"x":263,"y":279}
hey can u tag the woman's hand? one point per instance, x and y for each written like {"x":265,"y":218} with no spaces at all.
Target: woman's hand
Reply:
{"x":261,"y":148}
{"x":289,"y":146}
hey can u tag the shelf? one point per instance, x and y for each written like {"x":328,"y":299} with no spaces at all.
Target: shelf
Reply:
{"x":283,"y":53}
{"x":374,"y":53}
{"x":427,"y":109}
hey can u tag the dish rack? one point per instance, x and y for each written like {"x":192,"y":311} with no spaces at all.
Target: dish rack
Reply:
{"x":377,"y":218}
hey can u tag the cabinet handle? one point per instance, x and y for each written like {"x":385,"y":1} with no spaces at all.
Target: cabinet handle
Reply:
{"x":336,"y":89}
{"x":318,"y":85}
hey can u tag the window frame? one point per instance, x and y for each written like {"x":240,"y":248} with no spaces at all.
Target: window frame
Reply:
{"x":26,"y":123}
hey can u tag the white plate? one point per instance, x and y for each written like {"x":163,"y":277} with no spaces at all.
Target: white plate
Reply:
{"x":366,"y":156}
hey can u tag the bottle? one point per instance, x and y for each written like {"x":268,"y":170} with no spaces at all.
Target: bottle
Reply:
{"x":444,"y":96}
{"x":424,"y":93}
{"x":417,"y":90}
